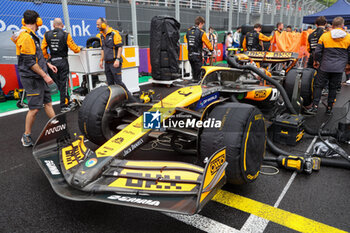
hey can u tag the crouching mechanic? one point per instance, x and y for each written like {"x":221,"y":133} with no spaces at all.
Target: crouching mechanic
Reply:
{"x":195,"y":37}
{"x":58,"y":41}
{"x":331,"y":57}
{"x":32,"y":68}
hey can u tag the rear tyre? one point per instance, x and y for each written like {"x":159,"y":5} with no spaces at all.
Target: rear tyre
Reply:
{"x":307,"y":81}
{"x":97,"y":121}
{"x":243,"y":133}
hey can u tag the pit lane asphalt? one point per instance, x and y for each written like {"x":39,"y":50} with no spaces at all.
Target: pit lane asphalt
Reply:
{"x":28,"y":203}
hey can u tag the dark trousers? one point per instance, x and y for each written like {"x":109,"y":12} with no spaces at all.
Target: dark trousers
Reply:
{"x":114,"y":76}
{"x":61,"y":79}
{"x":310,"y":62}
{"x":320,"y":82}
{"x":196,"y":65}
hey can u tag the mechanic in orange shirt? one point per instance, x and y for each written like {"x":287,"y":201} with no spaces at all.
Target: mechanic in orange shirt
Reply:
{"x":32,"y":68}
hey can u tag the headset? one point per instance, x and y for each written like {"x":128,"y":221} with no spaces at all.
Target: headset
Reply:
{"x":39,"y":22}
{"x":103,"y":24}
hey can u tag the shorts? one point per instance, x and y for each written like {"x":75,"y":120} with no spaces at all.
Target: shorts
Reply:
{"x":37,"y":92}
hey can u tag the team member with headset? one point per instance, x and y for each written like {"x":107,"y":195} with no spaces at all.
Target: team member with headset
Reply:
{"x":58,"y":42}
{"x":253,"y":40}
{"x":111,"y":53}
{"x":195,"y":37}
{"x":32,"y":68}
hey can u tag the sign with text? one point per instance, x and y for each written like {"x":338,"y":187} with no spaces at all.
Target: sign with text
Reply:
{"x":82,"y":18}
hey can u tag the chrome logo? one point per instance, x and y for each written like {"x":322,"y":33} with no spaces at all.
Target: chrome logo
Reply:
{"x":91,"y":162}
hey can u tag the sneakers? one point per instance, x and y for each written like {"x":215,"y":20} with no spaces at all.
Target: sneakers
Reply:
{"x":27,"y":140}
{"x":329,"y":110}
{"x":312,"y":110}
{"x":325,"y":92}
{"x":338,"y":90}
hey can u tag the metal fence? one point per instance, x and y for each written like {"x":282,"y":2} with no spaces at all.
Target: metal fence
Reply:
{"x":134,"y":16}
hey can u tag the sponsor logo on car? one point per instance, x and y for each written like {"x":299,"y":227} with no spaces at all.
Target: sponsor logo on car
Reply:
{"x":133,"y":147}
{"x":137,"y":125}
{"x":52,"y":167}
{"x":134,"y":200}
{"x":260,"y":94}
{"x":205,"y":101}
{"x":118,"y":140}
{"x":215,"y":164}
{"x":91,"y":162}
{"x":149,"y":184}
{"x":55,"y":129}
{"x":184,"y":93}
{"x":129,"y":132}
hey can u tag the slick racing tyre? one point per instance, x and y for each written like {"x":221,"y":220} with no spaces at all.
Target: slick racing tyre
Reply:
{"x":97,"y":118}
{"x":243,"y":133}
{"x":307,"y":81}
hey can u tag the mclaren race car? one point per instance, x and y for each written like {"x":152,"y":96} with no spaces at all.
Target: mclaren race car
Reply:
{"x":286,"y":68}
{"x":217,"y":122}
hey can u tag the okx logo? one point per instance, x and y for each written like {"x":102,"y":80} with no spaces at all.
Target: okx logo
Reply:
{"x":151,"y":120}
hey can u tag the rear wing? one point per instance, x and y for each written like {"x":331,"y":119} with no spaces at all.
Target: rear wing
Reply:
{"x":272,"y":57}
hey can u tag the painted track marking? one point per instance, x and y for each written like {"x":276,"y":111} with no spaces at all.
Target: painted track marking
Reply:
{"x":279,"y":216}
{"x":203,"y":223}
{"x":257,"y":224}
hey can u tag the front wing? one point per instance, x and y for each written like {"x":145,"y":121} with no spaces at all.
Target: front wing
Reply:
{"x":158,"y":185}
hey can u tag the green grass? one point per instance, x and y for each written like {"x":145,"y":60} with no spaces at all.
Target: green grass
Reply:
{"x":11,"y":105}
{"x":144,"y":79}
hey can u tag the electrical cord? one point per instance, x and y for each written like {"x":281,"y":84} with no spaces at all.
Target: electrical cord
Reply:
{"x":345,"y":156}
{"x":166,"y":142}
{"x":269,"y":173}
{"x":310,"y":131}
{"x":233,"y":62}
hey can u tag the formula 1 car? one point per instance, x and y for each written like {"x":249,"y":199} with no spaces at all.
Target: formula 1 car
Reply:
{"x":217,"y":120}
{"x":283,"y":67}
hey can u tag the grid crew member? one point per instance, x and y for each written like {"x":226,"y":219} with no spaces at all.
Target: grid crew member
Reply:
{"x":331,"y":57}
{"x":112,"y":47}
{"x":195,"y":37}
{"x":58,"y":42}
{"x":253,"y":40}
{"x":32,"y":68}
{"x":314,"y":37}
